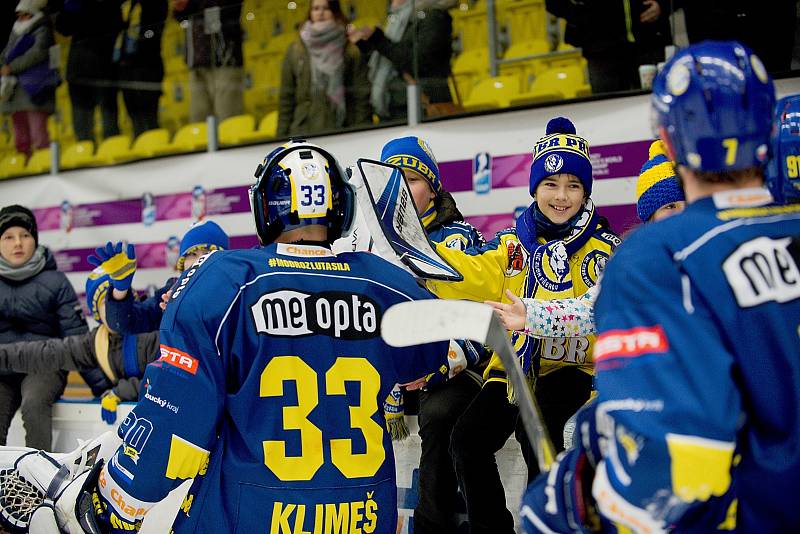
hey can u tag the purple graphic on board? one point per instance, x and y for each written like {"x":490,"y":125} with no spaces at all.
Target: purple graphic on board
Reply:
{"x":227,"y":200}
{"x":177,"y":206}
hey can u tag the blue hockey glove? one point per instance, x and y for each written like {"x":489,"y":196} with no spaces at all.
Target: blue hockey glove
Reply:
{"x":561,"y":500}
{"x":108,"y":406}
{"x":120,"y":265}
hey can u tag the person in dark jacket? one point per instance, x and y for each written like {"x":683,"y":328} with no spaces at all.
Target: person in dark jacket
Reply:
{"x":91,"y":72}
{"x":122,"y":359}
{"x":214,"y":56}
{"x":324,"y":84}
{"x":616,"y":37}
{"x":123,"y":313}
{"x":36,"y":302}
{"x":415,"y":46}
{"x":141,"y":69}
{"x":28,"y":85}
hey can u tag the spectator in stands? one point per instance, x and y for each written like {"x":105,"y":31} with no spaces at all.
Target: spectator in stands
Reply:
{"x":91,"y":73}
{"x":214,"y":56}
{"x":141,"y":71}
{"x":767,"y":27}
{"x":324,"y":84}
{"x":126,"y":316}
{"x":616,"y":37}
{"x":36,"y":302}
{"x":414,"y":47}
{"x":28,"y":86}
{"x":121,"y":358}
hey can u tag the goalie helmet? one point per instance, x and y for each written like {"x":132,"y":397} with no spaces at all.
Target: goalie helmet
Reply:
{"x":300,"y":184}
{"x":712,"y":104}
{"x":783,"y":175}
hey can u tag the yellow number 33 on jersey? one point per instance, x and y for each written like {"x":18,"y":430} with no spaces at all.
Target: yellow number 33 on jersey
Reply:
{"x":303,"y":467}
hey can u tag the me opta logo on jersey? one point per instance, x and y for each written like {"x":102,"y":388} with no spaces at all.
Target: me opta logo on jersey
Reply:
{"x":631,"y":343}
{"x":177,"y":359}
{"x":329,"y":313}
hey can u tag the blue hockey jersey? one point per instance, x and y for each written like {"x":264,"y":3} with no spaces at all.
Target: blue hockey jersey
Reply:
{"x":268,"y":391}
{"x":698,"y":375}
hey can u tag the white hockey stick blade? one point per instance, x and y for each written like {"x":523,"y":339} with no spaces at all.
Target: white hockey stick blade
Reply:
{"x":425,"y":321}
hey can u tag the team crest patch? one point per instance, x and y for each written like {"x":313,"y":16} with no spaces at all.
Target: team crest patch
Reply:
{"x":678,"y":79}
{"x":592,"y":265}
{"x":551,"y":266}
{"x":517,"y":258}
{"x":553,"y":163}
{"x":310,"y":170}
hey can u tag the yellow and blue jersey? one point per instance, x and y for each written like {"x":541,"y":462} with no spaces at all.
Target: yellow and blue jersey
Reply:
{"x":504,"y":263}
{"x":268,"y":391}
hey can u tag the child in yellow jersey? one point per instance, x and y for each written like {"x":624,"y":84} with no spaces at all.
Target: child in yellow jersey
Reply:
{"x":555,"y":251}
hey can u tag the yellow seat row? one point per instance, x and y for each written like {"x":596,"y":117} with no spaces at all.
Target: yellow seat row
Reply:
{"x":193,"y":137}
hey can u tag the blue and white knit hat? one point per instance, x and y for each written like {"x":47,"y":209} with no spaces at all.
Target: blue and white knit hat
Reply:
{"x":415,"y":154}
{"x":561,"y":151}
{"x":97,"y":286}
{"x":657,"y":185}
{"x":206,"y":235}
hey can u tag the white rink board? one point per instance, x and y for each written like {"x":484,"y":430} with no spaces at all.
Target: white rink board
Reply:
{"x":73,"y":420}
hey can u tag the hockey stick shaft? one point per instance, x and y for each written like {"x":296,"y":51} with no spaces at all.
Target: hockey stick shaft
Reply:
{"x":426,"y":321}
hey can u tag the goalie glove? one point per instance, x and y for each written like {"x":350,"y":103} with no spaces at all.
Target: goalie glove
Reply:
{"x":30,"y":479}
{"x":71,"y":509}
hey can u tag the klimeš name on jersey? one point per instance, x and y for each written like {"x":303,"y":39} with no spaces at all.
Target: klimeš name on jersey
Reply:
{"x":329,"y":313}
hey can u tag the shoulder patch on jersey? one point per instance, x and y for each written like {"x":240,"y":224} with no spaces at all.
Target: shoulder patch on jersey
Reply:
{"x":608,"y":237}
{"x":517,"y":256}
{"x":630,"y":343}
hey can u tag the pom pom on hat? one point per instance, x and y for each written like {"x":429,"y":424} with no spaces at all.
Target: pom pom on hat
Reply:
{"x":206,"y":235}
{"x":560,"y":125}
{"x":561,"y":151}
{"x":657,"y":185}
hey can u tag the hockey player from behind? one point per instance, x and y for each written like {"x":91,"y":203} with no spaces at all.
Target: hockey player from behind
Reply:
{"x":695,"y":427}
{"x":271,"y":377}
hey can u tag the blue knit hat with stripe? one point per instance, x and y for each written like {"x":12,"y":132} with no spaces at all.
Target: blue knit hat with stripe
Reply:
{"x":657,"y":185}
{"x":414,"y":153}
{"x":561,"y":151}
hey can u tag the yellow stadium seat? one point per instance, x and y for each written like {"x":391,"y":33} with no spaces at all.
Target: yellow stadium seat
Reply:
{"x":266,"y":129}
{"x":492,"y":93}
{"x":365,"y":9}
{"x":525,"y":69}
{"x":77,"y":155}
{"x":192,"y":137}
{"x":555,"y":84}
{"x":12,"y":165}
{"x":233,"y":130}
{"x":39,"y":162}
{"x":468,"y":68}
{"x":526,"y":20}
{"x":470,"y":26}
{"x":152,"y":143}
{"x":115,"y":149}
{"x":76,"y":387}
